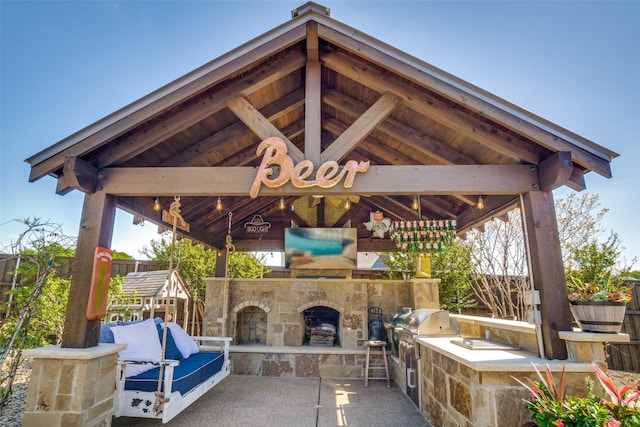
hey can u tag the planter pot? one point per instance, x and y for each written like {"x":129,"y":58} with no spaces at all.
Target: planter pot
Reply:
{"x":598,"y":316}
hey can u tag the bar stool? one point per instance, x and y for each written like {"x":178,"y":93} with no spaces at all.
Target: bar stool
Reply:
{"x":376,"y":344}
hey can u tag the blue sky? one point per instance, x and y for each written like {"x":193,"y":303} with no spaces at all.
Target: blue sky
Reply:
{"x":66,"y":64}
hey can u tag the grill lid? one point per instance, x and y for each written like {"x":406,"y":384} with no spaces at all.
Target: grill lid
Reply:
{"x":416,"y":317}
{"x":430,"y":322}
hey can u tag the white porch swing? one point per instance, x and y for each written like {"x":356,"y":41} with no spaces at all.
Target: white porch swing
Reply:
{"x":187,"y":368}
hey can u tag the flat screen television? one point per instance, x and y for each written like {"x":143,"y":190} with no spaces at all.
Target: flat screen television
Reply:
{"x":321,"y":248}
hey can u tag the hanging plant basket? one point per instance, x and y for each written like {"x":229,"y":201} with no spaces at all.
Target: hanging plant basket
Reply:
{"x":599,"y":316}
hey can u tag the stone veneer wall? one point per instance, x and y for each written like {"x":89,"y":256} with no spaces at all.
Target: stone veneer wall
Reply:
{"x":71,"y":387}
{"x":284,"y":300}
{"x":300,"y":362}
{"x":454,"y":394}
{"x":511,"y":332}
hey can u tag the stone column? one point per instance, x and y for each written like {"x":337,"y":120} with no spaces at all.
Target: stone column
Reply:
{"x":71,"y":386}
{"x":424,"y":293}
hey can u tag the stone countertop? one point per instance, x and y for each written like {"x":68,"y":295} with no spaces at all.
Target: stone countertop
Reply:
{"x":497,"y":360}
{"x":57,"y":352}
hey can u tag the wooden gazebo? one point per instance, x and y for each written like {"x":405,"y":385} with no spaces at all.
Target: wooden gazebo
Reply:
{"x":327,"y":93}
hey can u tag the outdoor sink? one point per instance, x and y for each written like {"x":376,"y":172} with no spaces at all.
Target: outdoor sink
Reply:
{"x":481,"y":344}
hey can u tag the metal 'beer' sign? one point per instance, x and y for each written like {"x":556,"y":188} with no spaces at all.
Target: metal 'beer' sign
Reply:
{"x":328,"y":175}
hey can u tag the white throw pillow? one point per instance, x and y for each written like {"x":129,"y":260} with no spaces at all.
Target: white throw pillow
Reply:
{"x":142,"y":344}
{"x":184,"y":342}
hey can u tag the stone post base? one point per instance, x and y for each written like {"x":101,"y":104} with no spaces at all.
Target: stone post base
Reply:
{"x":589,"y":346}
{"x":71,"y":386}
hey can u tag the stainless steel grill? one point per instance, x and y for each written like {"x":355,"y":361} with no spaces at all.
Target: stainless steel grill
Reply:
{"x":420,"y":323}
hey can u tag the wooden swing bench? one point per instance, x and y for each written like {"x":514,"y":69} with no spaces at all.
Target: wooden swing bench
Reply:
{"x":184,"y":381}
{"x":179,"y":371}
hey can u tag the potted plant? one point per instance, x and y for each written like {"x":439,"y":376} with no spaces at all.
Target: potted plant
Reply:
{"x":550,"y":407}
{"x":598,"y":305}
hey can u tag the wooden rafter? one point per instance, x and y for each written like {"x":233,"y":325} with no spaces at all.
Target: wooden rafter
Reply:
{"x":262,"y":127}
{"x":362,"y":127}
{"x":221,"y":142}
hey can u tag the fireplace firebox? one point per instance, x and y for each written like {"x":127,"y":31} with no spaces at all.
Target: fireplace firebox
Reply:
{"x":322,"y":326}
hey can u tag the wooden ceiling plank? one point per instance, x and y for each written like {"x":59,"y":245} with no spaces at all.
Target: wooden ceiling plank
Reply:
{"x":248,"y":155}
{"x":419,"y":142}
{"x":392,"y":206}
{"x":435,"y":208}
{"x":377,"y":148}
{"x":241,"y":213}
{"x":216,"y":221}
{"x":494,"y":206}
{"x":426,"y":145}
{"x":237,"y":181}
{"x":407,"y":211}
{"x":426,"y":75}
{"x":457,"y":120}
{"x":313,"y":98}
{"x":144,"y":207}
{"x":259,"y":124}
{"x":370,"y":145}
{"x":362,"y":127}
{"x":220,"y":141}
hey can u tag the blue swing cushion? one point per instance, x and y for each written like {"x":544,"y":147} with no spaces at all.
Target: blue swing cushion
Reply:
{"x":191,"y":371}
{"x":194,"y":368}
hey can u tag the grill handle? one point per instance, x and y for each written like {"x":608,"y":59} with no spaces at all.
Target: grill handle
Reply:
{"x":411,"y":378}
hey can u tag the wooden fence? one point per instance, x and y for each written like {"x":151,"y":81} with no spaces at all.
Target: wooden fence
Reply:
{"x":626,"y":356}
{"x":120,"y":267}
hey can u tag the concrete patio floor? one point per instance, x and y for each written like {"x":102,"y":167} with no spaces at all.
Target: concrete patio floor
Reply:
{"x":296,"y":402}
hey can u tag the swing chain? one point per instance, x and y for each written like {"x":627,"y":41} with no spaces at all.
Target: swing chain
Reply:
{"x":174,"y":210}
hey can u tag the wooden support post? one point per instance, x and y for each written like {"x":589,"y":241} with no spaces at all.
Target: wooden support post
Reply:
{"x":96,"y":229}
{"x":546,"y":269}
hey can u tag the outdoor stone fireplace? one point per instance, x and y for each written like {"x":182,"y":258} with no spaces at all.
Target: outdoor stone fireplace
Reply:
{"x":284,"y":312}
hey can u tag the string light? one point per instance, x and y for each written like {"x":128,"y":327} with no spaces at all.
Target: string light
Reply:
{"x":415,"y":205}
{"x":219,"y":204}
{"x":480,"y":204}
{"x":281,"y":204}
{"x":347,"y":203}
{"x":156,"y":204}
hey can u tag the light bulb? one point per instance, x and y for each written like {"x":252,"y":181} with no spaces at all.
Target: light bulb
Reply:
{"x":281,"y":204}
{"x":156,"y":204}
{"x":415,"y":204}
{"x":219,"y":204}
{"x":480,"y":204}
{"x":347,"y":204}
